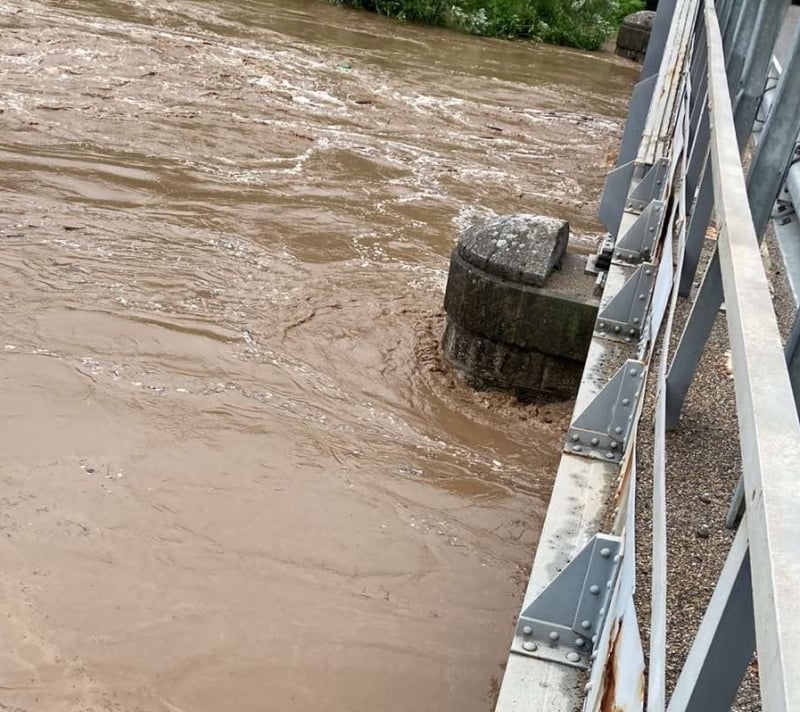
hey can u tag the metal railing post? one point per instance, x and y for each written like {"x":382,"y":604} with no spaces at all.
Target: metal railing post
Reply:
{"x":748,"y":95}
{"x":731,"y":24}
{"x":725,"y":640}
{"x":709,"y":298}
{"x":742,"y":42}
{"x":768,"y":168}
{"x":745,"y":103}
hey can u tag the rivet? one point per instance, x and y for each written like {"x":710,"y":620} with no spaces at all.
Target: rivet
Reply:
{"x":652,"y":229}
{"x":586,"y":625}
{"x":602,"y":611}
{"x":594,"y":639}
{"x":576,"y":438}
{"x":636,"y":320}
{"x":648,"y":272}
{"x":613,"y":445}
{"x":529,"y":646}
{"x":601,"y":325}
{"x":605,"y":552}
{"x":594,"y":655}
{"x":618,"y":430}
{"x":641,"y":296}
{"x":617,"y":329}
{"x":632,"y":332}
{"x":576,"y":448}
{"x":554,"y":636}
{"x":630,"y":205}
{"x":610,"y":455}
{"x":579,"y":642}
{"x":573,"y":657}
{"x":595,"y":441}
{"x":527,"y":630}
{"x":594,"y":589}
{"x":634,"y":372}
{"x":626,"y":401}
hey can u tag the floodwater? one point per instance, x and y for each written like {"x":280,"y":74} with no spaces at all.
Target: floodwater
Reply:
{"x":234,"y":475}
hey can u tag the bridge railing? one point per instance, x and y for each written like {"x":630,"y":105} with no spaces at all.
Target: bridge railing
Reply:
{"x":577,"y":640}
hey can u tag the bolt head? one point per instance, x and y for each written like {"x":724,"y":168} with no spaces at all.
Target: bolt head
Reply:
{"x":605,"y":552}
{"x":573,"y":657}
{"x":527,"y":630}
{"x":618,"y":430}
{"x":529,"y":646}
{"x":579,"y":642}
{"x":626,"y":401}
{"x":594,"y":589}
{"x":554,"y":636}
{"x":617,"y":329}
{"x":613,"y":445}
{"x":633,"y":372}
{"x":576,"y":438}
{"x":595,"y":441}
{"x":586,"y":624}
{"x":576,"y":448}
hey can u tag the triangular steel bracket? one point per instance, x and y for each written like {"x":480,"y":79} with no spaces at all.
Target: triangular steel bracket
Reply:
{"x":603,"y":428}
{"x":650,"y":187}
{"x":562,"y":623}
{"x":625,"y":314}
{"x":637,"y":244}
{"x":615,"y":191}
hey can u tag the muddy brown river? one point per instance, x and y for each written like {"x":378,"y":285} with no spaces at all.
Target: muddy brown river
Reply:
{"x":234,"y":475}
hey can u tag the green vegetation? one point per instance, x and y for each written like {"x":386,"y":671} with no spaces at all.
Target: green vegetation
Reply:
{"x":576,"y":23}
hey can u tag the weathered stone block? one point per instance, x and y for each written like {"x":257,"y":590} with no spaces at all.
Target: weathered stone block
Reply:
{"x":521,"y":311}
{"x":484,"y":362}
{"x":556,"y":321}
{"x":521,"y":248}
{"x":634,"y":35}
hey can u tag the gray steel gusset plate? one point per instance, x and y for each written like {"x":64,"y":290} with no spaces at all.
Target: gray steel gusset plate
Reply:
{"x":625,"y":315}
{"x":650,"y":187}
{"x":637,"y":244}
{"x":562,"y":623}
{"x":602,"y":430}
